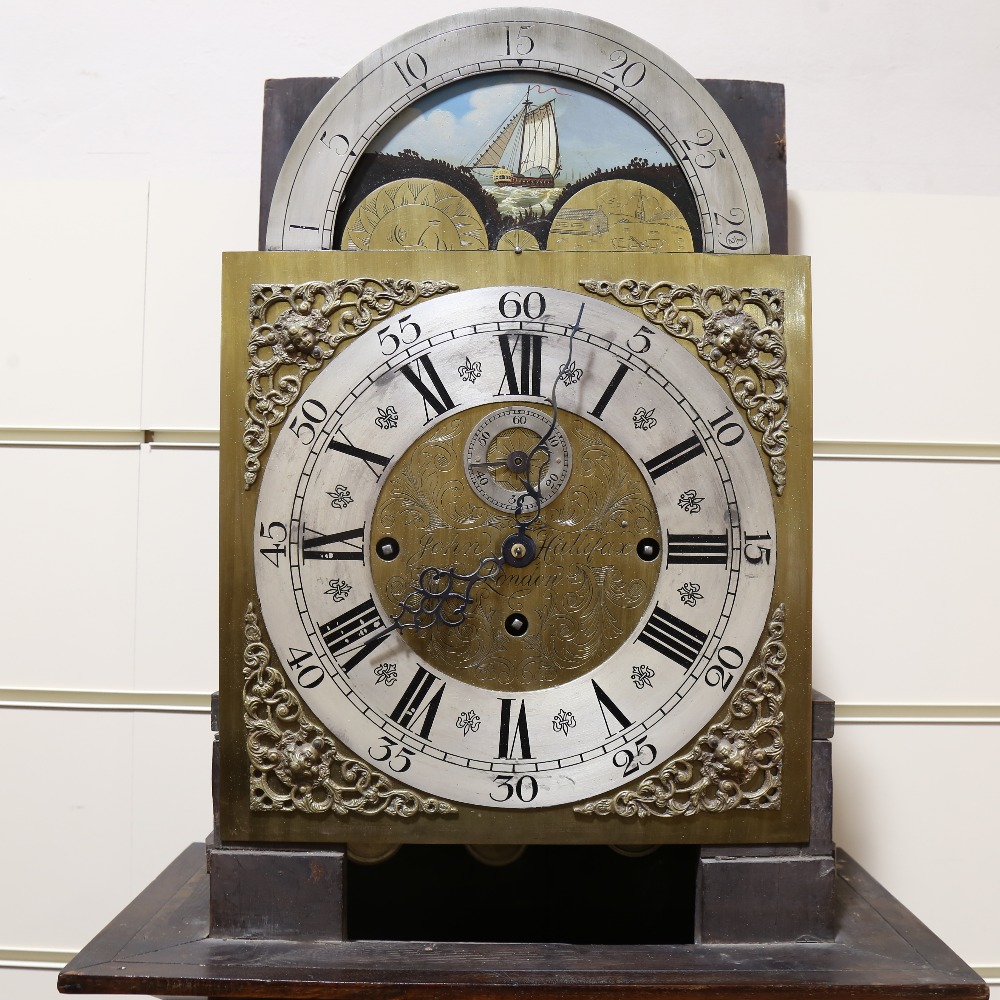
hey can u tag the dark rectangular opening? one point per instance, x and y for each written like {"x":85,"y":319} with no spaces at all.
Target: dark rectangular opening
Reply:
{"x":566,"y":894}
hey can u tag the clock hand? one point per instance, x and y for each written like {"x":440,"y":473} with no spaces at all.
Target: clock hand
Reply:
{"x":565,"y":370}
{"x":442,"y":596}
{"x":533,"y":492}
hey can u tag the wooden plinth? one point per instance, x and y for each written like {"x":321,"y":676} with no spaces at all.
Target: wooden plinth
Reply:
{"x":160,"y":945}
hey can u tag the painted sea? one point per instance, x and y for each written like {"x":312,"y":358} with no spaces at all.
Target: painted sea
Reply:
{"x":516,"y":201}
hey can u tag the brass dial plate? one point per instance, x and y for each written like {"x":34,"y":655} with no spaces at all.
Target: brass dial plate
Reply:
{"x":291,"y":771}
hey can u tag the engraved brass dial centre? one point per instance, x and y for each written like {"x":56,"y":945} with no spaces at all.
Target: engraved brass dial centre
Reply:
{"x":583,"y":593}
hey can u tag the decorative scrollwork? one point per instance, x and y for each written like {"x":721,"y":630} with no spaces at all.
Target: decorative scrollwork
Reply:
{"x":442,"y":596}
{"x":738,"y":332}
{"x":295,"y":329}
{"x":735,"y":765}
{"x":295,"y":765}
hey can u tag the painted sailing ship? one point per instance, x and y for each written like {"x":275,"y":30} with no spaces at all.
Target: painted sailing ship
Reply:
{"x":524,"y":150}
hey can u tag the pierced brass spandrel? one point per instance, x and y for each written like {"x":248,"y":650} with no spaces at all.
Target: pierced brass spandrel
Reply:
{"x":737,"y":764}
{"x":296,"y":329}
{"x":296,"y":765}
{"x":739,"y":333}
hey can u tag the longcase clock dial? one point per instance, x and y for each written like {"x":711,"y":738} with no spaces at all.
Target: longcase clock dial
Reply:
{"x":509,"y":547}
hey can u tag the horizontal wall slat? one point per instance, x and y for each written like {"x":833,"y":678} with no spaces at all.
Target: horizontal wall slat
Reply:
{"x":107,"y":701}
{"x":928,"y":713}
{"x":188,"y":437}
{"x":200,"y":702}
{"x":36,"y":958}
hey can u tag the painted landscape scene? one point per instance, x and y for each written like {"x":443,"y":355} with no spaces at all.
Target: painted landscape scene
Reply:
{"x":521,"y":161}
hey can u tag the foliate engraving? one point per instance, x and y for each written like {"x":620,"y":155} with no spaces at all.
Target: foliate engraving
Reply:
{"x":295,"y":329}
{"x":295,"y":765}
{"x":593,"y":589}
{"x":735,"y":765}
{"x":738,"y":332}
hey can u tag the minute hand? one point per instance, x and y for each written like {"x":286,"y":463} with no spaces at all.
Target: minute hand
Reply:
{"x":534,"y":492}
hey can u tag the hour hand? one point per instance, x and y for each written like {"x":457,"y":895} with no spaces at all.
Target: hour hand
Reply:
{"x":442,"y":596}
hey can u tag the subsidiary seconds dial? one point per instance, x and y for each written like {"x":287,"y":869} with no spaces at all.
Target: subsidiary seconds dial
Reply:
{"x":383,"y":547}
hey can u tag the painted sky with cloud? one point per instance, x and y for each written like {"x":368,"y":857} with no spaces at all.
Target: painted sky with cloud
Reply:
{"x":451,"y":124}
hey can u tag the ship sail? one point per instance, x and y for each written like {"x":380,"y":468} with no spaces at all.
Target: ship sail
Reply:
{"x":540,"y":142}
{"x":524,"y":150}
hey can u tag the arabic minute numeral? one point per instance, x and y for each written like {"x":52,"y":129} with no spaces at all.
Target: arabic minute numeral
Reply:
{"x":756,"y":554}
{"x":734,"y":217}
{"x":525,"y":788}
{"x":308,"y":675}
{"x":398,"y":760}
{"x":642,"y":340}
{"x":630,"y":759}
{"x":273,"y":555}
{"x":723,"y":672}
{"x":412,"y":69}
{"x":735,"y":239}
{"x":408,"y":334}
{"x":627,"y":73}
{"x":704,"y":158}
{"x":732,"y":431}
{"x":311,"y":413}
{"x":520,"y":40}
{"x":511,"y":306}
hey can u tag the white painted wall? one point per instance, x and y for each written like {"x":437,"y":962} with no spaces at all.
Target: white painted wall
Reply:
{"x":129,"y":161}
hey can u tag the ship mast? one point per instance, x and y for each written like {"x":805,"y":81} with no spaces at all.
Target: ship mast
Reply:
{"x":530,"y":133}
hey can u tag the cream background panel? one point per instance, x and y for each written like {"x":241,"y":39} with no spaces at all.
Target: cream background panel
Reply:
{"x":69,"y":567}
{"x":72,"y":262}
{"x":895,"y":94}
{"x":918,"y":806}
{"x":123,"y":794}
{"x":180,"y":377}
{"x":900,"y":611}
{"x":176,"y":586}
{"x":899,"y":314}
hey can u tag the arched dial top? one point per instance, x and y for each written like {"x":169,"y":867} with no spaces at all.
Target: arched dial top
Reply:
{"x":562,"y":665}
{"x":624,"y":69}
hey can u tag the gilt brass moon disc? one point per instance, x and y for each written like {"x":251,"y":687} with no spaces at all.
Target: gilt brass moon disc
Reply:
{"x":415,"y":214}
{"x":583,"y":594}
{"x":620,"y":215}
